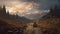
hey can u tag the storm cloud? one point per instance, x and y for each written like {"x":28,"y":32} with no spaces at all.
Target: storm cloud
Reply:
{"x":42,"y":7}
{"x":44,"y":4}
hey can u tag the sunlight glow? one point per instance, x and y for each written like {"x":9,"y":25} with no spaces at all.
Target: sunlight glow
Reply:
{"x":27,"y":9}
{"x":21,"y":7}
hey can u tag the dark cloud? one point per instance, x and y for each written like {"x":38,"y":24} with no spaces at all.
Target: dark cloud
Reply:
{"x":43,"y":4}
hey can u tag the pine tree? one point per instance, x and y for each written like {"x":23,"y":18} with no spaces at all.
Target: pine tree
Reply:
{"x":4,"y":9}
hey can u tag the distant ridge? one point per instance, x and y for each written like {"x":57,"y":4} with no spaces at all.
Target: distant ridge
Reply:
{"x":15,"y":17}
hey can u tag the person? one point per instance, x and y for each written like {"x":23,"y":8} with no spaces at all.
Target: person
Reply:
{"x":35,"y":24}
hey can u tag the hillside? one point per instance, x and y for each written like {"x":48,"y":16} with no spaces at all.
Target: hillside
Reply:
{"x":49,"y":24}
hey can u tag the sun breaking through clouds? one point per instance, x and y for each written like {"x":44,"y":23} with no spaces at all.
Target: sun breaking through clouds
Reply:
{"x":29,"y":8}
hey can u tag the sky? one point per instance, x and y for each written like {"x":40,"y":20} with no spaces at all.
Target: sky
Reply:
{"x":31,"y":9}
